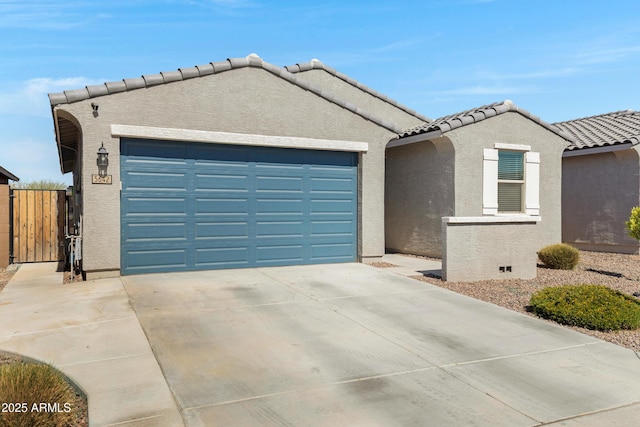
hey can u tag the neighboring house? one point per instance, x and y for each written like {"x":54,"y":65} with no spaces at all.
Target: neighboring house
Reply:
{"x":231,"y":164}
{"x":480,"y":189}
{"x":601,"y":181}
{"x":5,"y":216}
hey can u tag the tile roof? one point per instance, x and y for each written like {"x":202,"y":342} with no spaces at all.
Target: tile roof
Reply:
{"x":316,"y":64}
{"x":252,"y":60}
{"x":475,"y":115}
{"x":605,"y":129}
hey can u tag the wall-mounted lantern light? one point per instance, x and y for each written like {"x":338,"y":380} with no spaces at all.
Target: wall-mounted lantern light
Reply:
{"x":103,"y":162}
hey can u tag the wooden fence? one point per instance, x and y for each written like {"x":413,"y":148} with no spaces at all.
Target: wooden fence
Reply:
{"x":38,"y":225}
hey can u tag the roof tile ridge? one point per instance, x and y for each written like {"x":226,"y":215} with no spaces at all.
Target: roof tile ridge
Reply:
{"x":316,"y":64}
{"x":149,"y":80}
{"x":478,"y":114}
{"x":251,"y":60}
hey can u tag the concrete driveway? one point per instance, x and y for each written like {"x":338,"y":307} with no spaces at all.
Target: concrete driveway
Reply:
{"x":323,"y":345}
{"x":353,"y":345}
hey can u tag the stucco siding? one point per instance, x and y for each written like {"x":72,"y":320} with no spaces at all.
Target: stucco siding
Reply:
{"x":247,"y":100}
{"x":598,"y":193}
{"x":362,"y":99}
{"x":484,"y":251}
{"x":509,"y":128}
{"x":418,"y":193}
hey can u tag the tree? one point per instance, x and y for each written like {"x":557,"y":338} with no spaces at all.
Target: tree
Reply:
{"x":633,"y":225}
{"x":42,"y":184}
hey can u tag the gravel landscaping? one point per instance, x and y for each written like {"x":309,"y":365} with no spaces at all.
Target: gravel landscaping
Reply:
{"x":5,"y":276}
{"x":617,"y":271}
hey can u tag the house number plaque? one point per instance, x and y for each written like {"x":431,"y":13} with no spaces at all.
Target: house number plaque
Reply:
{"x":97,"y":179}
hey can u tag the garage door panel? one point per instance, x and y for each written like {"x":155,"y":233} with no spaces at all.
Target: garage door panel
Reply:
{"x":234,"y":206}
{"x":155,"y":206}
{"x":274,"y":183}
{"x":344,"y":185}
{"x":222,"y":230}
{"x":227,"y":257}
{"x":332,"y":206}
{"x":222,"y":206}
{"x":225,"y":156}
{"x":156,"y":231}
{"x":280,"y":206}
{"x":331,"y":160}
{"x":149,"y":180}
{"x":165,"y":152}
{"x":332,"y":228}
{"x":274,"y":254}
{"x":222,"y":182}
{"x":335,"y":252}
{"x":154,"y":260}
{"x":279,"y":229}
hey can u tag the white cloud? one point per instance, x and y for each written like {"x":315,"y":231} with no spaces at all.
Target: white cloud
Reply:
{"x":41,"y":14}
{"x":604,"y":55}
{"x":30,"y":97}
{"x":541,"y":74}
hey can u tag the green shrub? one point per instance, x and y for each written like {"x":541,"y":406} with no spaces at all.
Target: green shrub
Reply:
{"x":559,"y":256}
{"x":588,"y":306}
{"x":24,"y":385}
{"x":633,"y":225}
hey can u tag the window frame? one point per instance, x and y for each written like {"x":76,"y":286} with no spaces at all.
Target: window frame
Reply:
{"x":521,"y":182}
{"x":531,"y":186}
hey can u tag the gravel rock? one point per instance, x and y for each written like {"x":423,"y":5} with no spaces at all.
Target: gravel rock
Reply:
{"x":617,"y":271}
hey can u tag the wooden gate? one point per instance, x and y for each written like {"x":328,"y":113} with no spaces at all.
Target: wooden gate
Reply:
{"x":38,"y":225}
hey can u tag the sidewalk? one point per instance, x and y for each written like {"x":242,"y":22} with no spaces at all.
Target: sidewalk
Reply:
{"x":412,"y":266}
{"x":90,"y":332}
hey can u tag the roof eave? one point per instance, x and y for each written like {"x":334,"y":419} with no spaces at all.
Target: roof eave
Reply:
{"x":585,"y":151}
{"x":8,"y":174}
{"x":418,"y":137}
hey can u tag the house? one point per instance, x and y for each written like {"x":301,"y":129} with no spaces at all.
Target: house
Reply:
{"x":601,"y":181}
{"x":231,"y":164}
{"x":5,"y":216}
{"x":241,"y":163}
{"x":479,"y":189}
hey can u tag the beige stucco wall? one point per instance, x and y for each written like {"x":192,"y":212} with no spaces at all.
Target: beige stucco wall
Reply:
{"x":598,"y":193}
{"x":510,"y":128}
{"x":433,"y":179}
{"x":477,"y":251}
{"x":418,"y":193}
{"x":246,"y":100}
{"x":361,"y":98}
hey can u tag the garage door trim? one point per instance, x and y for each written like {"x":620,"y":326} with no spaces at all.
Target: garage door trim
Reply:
{"x":193,"y":135}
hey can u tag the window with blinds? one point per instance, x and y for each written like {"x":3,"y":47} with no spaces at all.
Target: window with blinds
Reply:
{"x":510,"y":181}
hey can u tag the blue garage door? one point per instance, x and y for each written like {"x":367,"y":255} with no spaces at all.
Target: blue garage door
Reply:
{"x":194,"y":206}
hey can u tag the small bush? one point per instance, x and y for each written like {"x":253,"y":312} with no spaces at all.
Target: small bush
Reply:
{"x":588,"y":306}
{"x":633,"y":225}
{"x":559,"y":256}
{"x":24,"y":385}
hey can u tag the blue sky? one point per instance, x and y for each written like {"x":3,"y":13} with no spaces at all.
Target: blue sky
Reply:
{"x":558,"y":59}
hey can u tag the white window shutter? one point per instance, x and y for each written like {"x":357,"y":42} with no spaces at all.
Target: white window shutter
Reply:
{"x":532,"y":183}
{"x":490,"y":182}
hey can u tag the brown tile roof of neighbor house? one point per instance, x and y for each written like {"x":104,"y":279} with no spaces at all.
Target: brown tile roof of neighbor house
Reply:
{"x":316,"y":64}
{"x":475,"y":115}
{"x":252,"y":60}
{"x":605,"y":129}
